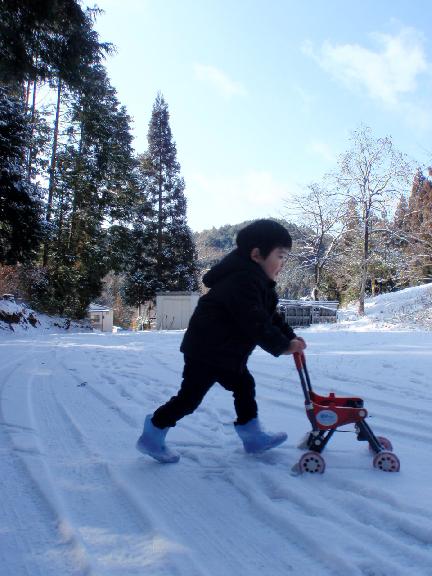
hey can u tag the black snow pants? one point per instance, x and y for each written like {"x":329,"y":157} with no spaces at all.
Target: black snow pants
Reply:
{"x":198,"y":378}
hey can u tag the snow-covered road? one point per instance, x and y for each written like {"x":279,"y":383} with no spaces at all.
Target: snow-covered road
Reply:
{"x":77,"y":499}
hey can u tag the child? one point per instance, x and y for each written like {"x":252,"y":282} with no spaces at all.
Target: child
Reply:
{"x":237,"y":313}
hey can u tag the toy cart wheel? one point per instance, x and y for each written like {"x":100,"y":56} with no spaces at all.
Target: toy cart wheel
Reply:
{"x":312,"y":462}
{"x":385,"y":444}
{"x":387,"y":462}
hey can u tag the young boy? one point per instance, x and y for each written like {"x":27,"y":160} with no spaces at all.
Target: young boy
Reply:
{"x":238,"y":313}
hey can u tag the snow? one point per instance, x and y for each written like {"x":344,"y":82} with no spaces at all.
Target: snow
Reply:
{"x":409,"y":308}
{"x":78,"y":499}
{"x":19,"y":318}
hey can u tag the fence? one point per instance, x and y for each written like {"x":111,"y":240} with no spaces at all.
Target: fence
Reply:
{"x":307,"y":312}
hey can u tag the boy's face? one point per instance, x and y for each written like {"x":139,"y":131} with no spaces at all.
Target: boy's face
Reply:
{"x":273,"y":263}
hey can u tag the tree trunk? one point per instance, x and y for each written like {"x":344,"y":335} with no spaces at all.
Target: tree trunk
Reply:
{"x":25,"y":100}
{"x":317,"y":278}
{"x":159,"y":232}
{"x":365,"y":263}
{"x":51,"y":186}
{"x":27,"y":94}
{"x":74,"y":215}
{"x":59,"y":223}
{"x":33,"y":114}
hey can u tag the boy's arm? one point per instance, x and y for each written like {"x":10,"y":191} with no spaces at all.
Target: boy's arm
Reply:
{"x":279,"y":321}
{"x":296,"y":343}
{"x":247,"y":309}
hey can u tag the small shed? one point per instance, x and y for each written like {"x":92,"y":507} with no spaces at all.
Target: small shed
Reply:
{"x":174,"y":309}
{"x":101,"y":317}
{"x":8,"y":297}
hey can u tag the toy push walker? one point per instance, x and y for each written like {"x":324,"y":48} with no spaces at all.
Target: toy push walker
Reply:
{"x":326,"y":414}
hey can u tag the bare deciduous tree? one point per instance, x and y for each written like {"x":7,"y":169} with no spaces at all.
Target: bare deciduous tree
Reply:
{"x":321,"y":212}
{"x":372,"y":174}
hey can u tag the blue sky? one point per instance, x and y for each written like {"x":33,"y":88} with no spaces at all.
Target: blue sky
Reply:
{"x":263,"y":95}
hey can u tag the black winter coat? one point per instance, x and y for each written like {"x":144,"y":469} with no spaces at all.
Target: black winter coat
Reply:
{"x":238,"y":313}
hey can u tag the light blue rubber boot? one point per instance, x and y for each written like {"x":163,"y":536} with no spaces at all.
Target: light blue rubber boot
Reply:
{"x":255,"y":440}
{"x":152,"y":443}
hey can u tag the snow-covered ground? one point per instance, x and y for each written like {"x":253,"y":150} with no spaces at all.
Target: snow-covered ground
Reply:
{"x":77,"y":499}
{"x":409,"y":308}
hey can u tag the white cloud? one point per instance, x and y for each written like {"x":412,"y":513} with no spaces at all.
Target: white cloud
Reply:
{"x":219,"y":80}
{"x":388,"y":73}
{"x":223,"y":200}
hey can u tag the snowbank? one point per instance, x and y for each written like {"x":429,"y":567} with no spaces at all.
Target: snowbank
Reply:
{"x":410,"y":308}
{"x":19,"y":318}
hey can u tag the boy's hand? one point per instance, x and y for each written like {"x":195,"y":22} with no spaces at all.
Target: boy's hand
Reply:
{"x":296,"y":345}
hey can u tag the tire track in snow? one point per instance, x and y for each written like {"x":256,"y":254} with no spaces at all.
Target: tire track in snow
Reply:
{"x":50,"y":547}
{"x":366,"y":525}
{"x":228,"y":534}
{"x":117,"y":531}
{"x":394,"y":521}
{"x":370,"y":492}
{"x":146,"y":388}
{"x":303,"y":538}
{"x":108,"y":402}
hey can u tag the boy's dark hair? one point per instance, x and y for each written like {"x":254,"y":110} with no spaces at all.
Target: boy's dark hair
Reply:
{"x":265,"y":235}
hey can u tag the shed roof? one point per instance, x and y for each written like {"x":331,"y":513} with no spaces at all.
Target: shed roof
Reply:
{"x":98,"y":308}
{"x":174,"y":293}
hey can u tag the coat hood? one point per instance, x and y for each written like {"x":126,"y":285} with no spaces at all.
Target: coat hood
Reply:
{"x":233,"y":263}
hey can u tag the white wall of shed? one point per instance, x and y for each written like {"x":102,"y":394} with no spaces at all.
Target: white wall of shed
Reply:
{"x":173,"y":311}
{"x":102,"y":320}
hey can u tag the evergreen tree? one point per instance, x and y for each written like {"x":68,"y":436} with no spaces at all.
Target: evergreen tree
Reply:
{"x":20,"y":206}
{"x":164,"y":257}
{"x":401,"y":220}
{"x":399,"y":242}
{"x":140,"y":280}
{"x":90,"y":163}
{"x":383,"y":260}
{"x":95,"y":187}
{"x":46,"y":40}
{"x":419,"y":230}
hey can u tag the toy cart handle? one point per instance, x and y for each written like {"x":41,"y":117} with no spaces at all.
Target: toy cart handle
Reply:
{"x":299,"y":359}
{"x":300,"y":362}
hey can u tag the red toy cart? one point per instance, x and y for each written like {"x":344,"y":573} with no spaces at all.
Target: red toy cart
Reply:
{"x":328,"y":413}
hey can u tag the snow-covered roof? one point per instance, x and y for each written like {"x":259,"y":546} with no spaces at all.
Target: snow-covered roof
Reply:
{"x":98,"y":308}
{"x":175,"y":293}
